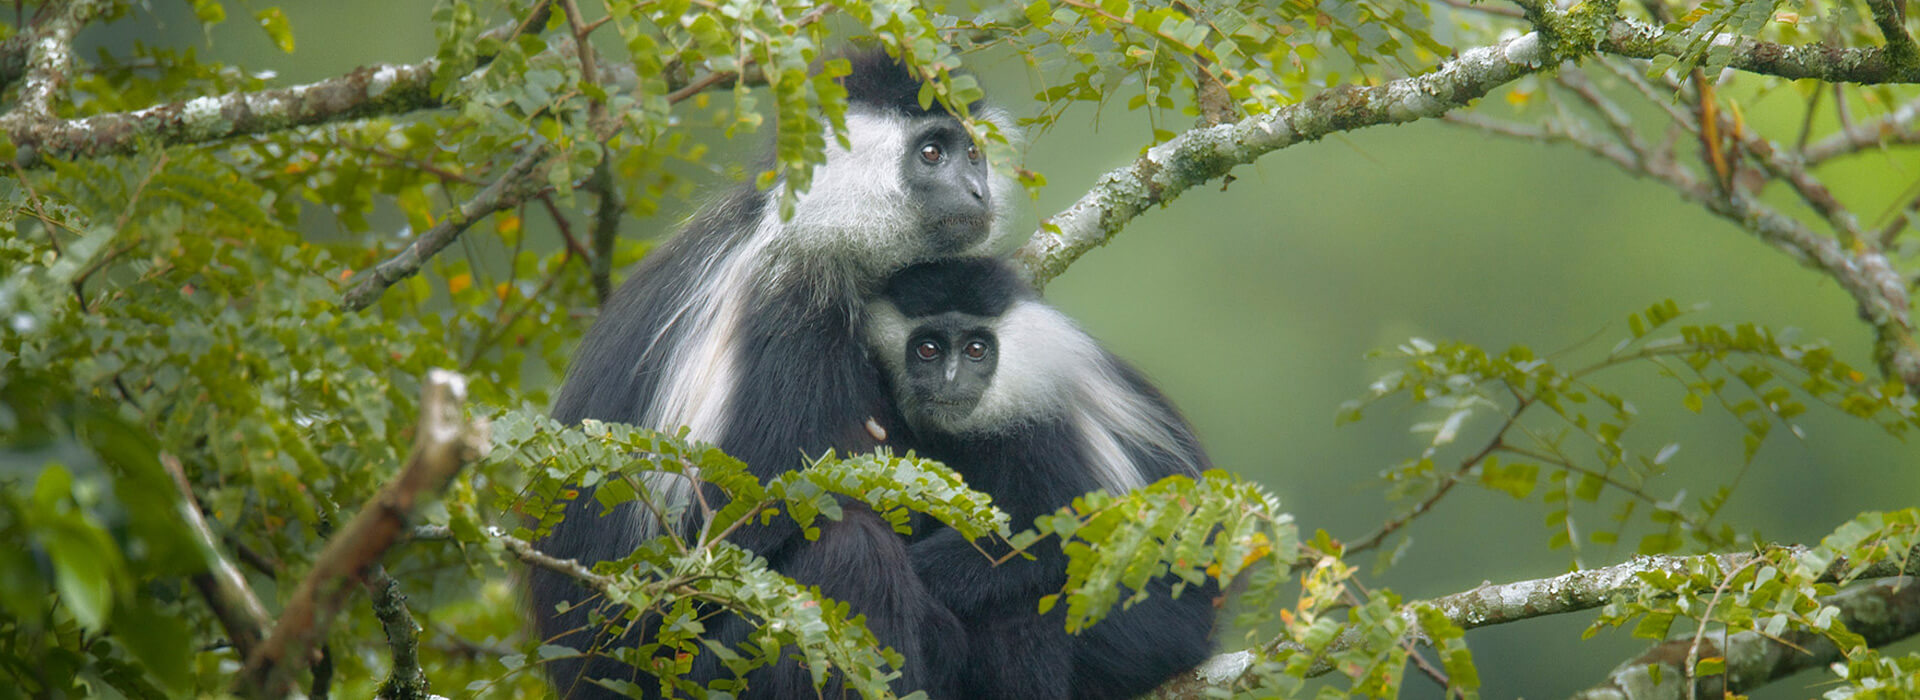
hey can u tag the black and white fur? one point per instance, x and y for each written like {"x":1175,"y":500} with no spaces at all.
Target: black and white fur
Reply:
{"x":1008,"y":392}
{"x":744,"y":328}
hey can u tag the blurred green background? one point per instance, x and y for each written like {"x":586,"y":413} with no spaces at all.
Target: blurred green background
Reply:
{"x":1255,"y":309}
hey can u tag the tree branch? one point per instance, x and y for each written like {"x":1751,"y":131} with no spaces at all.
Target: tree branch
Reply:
{"x":446,"y":442}
{"x":1896,"y":126}
{"x":529,"y":554}
{"x":1891,"y":20}
{"x":1636,"y":39}
{"x":1882,"y":612}
{"x":1493,"y":604}
{"x":49,"y":60}
{"x":232,"y":600}
{"x":365,"y":92}
{"x":509,"y":190}
{"x":1202,"y":154}
{"x":1862,"y":270}
{"x":406,"y":681}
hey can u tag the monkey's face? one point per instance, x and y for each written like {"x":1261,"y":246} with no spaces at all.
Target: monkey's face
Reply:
{"x":948,"y":365}
{"x":900,"y":190}
{"x":947,"y":178}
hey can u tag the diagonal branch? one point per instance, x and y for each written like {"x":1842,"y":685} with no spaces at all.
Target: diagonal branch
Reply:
{"x":1863,"y":271}
{"x":225,"y":589}
{"x":507,"y":191}
{"x":445,"y":442}
{"x":1199,"y":155}
{"x":368,"y":91}
{"x":1896,"y":126}
{"x":1888,"y":16}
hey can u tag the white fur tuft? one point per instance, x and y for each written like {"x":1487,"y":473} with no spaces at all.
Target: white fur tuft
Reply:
{"x":1048,"y":367}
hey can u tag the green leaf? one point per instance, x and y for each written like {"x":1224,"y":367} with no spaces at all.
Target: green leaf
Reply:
{"x":275,"y":22}
{"x":1654,"y":625}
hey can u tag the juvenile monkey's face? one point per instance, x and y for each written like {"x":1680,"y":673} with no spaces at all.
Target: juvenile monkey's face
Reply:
{"x":948,"y":365}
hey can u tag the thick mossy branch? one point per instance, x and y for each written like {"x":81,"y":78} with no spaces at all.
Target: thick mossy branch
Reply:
{"x":364,"y":92}
{"x":1875,"y":65}
{"x":1494,"y":604}
{"x":406,"y":680}
{"x":1881,"y":612}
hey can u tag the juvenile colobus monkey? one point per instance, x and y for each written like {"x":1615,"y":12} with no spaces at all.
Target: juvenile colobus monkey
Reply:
{"x":743,"y":327}
{"x":1008,"y":392}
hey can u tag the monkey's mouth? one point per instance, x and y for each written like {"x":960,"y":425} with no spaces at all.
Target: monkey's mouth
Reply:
{"x":959,"y":232}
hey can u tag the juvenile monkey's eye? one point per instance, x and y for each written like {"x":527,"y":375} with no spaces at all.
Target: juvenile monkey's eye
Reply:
{"x":927,"y":350}
{"x":973,"y":153}
{"x":976,"y":350}
{"x":932,"y":153}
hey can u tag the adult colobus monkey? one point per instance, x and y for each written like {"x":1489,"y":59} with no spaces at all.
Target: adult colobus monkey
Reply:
{"x":1012,"y":395}
{"x":744,"y":328}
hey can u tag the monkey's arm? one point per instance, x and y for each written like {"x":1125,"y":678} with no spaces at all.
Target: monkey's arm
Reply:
{"x":968,"y":582}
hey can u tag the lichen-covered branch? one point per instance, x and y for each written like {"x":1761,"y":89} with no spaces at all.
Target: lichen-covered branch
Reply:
{"x":1882,"y":612}
{"x":1891,"y":20}
{"x":1494,"y":604}
{"x":1874,"y":65}
{"x":446,"y":442}
{"x":406,"y":681}
{"x":49,"y":59}
{"x":506,"y":191}
{"x":1202,"y":154}
{"x":364,"y":92}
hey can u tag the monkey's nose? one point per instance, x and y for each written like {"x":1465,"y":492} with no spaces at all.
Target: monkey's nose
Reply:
{"x":978,"y":189}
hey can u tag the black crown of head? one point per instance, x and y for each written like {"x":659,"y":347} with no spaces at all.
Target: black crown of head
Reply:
{"x":975,"y":286}
{"x":883,"y":83}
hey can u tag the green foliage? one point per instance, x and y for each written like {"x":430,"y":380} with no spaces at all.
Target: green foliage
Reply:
{"x":1214,"y":528}
{"x":1363,"y":640}
{"x":685,"y":581}
{"x":1777,"y":593}
{"x":1577,"y":454}
{"x":1263,"y":54}
{"x":181,"y":306}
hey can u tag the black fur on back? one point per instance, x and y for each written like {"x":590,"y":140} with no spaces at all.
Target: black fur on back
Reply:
{"x":973,"y":286}
{"x":886,"y":84}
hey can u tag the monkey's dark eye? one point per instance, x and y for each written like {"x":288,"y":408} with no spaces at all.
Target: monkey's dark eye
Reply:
{"x":976,"y":350}
{"x":973,"y":153}
{"x":932,"y":153}
{"x":927,"y":351}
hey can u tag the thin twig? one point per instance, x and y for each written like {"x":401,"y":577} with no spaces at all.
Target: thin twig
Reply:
{"x":507,"y":191}
{"x":224,"y":588}
{"x":1693,"y":649}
